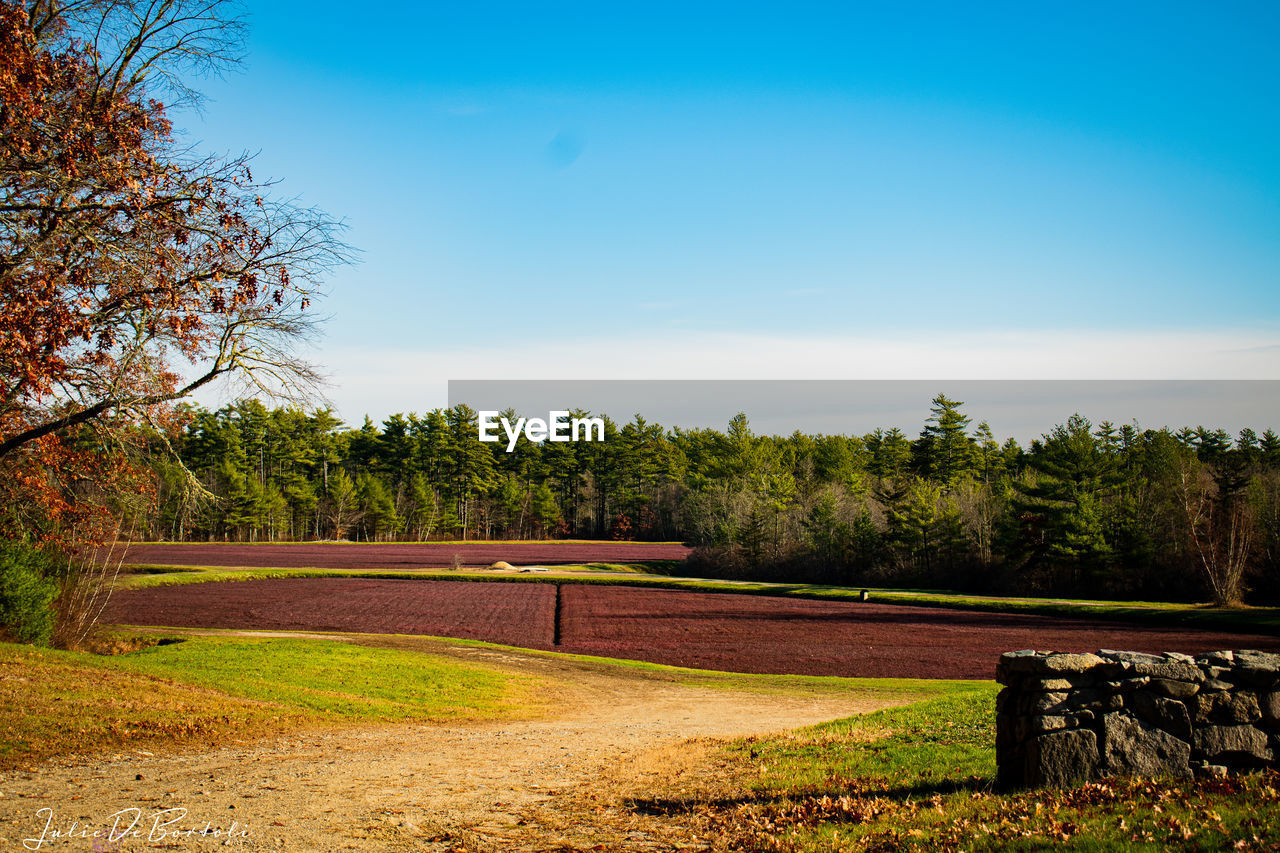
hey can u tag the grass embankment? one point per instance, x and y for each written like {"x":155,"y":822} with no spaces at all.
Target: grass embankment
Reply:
{"x":653,"y":574}
{"x":920,"y":777}
{"x":210,"y":690}
{"x":878,"y":690}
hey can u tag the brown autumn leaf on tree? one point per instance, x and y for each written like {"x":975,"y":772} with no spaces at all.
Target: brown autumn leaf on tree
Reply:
{"x":132,"y":270}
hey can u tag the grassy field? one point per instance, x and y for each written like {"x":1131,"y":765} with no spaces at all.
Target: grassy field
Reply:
{"x":915,"y":777}
{"x":920,"y":778}
{"x":211,"y":690}
{"x":208,"y":688}
{"x":895,"y":690}
{"x":1262,"y":620}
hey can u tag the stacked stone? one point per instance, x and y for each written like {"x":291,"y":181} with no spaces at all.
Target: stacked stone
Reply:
{"x":1066,"y":718}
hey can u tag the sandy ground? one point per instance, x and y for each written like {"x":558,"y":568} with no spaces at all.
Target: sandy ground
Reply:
{"x":477,"y":787}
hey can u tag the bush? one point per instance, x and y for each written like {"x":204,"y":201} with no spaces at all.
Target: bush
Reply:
{"x":85,"y":584}
{"x":27,"y":591}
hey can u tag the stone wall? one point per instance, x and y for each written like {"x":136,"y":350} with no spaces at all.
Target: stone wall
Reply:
{"x":1065,"y":718}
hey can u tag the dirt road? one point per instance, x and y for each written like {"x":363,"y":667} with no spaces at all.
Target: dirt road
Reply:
{"x":479,"y":787}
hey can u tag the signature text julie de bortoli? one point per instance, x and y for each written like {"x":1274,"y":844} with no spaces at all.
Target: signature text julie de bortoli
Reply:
{"x":558,"y":426}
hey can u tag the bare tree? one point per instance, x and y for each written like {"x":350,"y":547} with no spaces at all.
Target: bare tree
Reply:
{"x":1220,"y":528}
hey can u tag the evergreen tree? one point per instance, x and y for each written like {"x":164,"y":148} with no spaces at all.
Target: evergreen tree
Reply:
{"x":1269,"y":447}
{"x":1074,"y":480}
{"x":950,"y":452}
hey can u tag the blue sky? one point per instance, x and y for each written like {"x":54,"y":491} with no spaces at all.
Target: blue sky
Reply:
{"x":747,"y":190}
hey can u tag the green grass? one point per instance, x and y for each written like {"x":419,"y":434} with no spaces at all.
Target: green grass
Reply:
{"x":890,"y":690}
{"x":1262,"y":620}
{"x":945,"y":740}
{"x":895,"y":690}
{"x":920,"y":778}
{"x":647,"y":567}
{"x":215,"y":687}
{"x":331,"y":678}
{"x":206,"y":690}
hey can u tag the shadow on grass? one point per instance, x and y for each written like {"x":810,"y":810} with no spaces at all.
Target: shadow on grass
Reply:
{"x":678,"y":806}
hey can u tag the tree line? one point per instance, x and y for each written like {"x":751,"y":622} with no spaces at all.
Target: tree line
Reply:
{"x":1101,"y":509}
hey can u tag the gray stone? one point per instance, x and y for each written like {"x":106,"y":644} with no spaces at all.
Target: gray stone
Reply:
{"x":1080,"y":699}
{"x":1013,"y":663}
{"x":1050,"y":723}
{"x":1064,"y":717}
{"x":1254,"y":659}
{"x":1236,"y":745}
{"x":1269,"y":704}
{"x":1167,"y":714}
{"x":1129,"y":657}
{"x":1043,"y":703}
{"x":1048,"y":684}
{"x":1052,"y":664}
{"x":1170,"y":669}
{"x":1021,"y":726}
{"x":1211,"y":771}
{"x":1255,"y":669}
{"x":1062,"y":758}
{"x":1174,"y":689}
{"x":1066,"y":663}
{"x":1226,"y":707}
{"x":1225,"y":657}
{"x":1130,"y":746}
{"x":1005,"y":730}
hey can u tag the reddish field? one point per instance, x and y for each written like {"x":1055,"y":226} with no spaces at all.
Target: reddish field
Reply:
{"x":740,"y":633}
{"x":397,"y":557}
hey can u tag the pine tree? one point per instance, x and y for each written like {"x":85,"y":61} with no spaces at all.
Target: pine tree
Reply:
{"x":1269,"y":446}
{"x":1074,"y":480}
{"x":949,"y":456}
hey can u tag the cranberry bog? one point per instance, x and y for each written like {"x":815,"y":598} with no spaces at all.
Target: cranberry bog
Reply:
{"x":398,"y":556}
{"x":719,"y":631}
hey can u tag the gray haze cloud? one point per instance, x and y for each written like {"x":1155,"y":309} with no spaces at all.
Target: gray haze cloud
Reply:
{"x":1022,"y":409}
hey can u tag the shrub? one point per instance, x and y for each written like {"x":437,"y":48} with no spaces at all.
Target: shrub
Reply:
{"x":85,"y":584}
{"x":27,"y":591}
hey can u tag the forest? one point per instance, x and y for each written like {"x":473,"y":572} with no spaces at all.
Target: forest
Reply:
{"x":1116,"y":511}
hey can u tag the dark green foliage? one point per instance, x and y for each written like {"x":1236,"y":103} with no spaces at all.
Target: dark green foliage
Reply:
{"x":1101,"y":510}
{"x":1069,"y":503}
{"x":27,"y":591}
{"x":947,"y":452}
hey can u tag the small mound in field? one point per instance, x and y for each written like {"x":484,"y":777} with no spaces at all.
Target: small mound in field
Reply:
{"x":503,"y":565}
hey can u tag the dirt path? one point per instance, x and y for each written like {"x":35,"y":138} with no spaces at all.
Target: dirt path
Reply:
{"x":478,"y":787}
